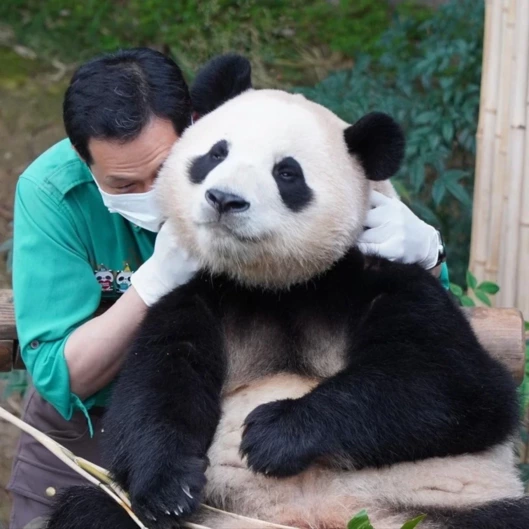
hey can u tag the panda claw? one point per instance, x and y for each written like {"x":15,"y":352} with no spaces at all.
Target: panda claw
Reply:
{"x":187,"y":492}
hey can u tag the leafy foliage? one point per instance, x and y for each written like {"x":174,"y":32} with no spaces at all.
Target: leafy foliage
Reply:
{"x":524,"y":388}
{"x":481,"y":291}
{"x":294,"y":35}
{"x":361,"y":521}
{"x":428,"y":77}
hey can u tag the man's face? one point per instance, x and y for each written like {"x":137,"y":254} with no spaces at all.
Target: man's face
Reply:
{"x":132,"y":167}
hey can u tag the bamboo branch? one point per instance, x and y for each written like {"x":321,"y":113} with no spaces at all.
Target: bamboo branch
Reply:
{"x":100,"y":477}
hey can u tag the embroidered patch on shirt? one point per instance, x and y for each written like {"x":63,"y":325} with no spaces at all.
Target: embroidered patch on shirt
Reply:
{"x":105,"y":278}
{"x":123,"y":279}
{"x":113,"y":282}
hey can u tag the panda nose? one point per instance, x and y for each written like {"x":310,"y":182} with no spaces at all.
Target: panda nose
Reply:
{"x":226,"y":202}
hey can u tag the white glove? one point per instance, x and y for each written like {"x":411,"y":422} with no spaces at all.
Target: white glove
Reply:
{"x":397,"y":234}
{"x":168,"y":267}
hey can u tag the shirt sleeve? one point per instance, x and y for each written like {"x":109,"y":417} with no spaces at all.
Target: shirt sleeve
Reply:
{"x":444,"y":277}
{"x":54,"y":291}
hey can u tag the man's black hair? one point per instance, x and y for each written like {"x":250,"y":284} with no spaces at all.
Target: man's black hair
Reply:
{"x":115,"y":95}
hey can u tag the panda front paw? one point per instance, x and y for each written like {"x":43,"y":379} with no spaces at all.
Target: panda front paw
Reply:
{"x":164,"y":499}
{"x":277,"y":441}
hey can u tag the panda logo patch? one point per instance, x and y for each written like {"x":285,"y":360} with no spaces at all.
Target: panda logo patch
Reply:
{"x":105,"y":278}
{"x":123,"y":279}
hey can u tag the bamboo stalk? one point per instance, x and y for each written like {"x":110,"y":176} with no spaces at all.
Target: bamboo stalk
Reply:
{"x":482,"y":195}
{"x":69,"y":459}
{"x":522,"y":299}
{"x":100,"y":477}
{"x":477,"y":211}
{"x":500,"y":173}
{"x":517,"y":144}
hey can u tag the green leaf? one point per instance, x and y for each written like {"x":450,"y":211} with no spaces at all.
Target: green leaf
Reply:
{"x":425,"y":118}
{"x":467,"y":302}
{"x":483,"y":297}
{"x":471,"y":280}
{"x":459,"y":192}
{"x":360,"y":521}
{"x":456,"y":290}
{"x":454,"y":174}
{"x":527,"y":325}
{"x":448,"y":131}
{"x":489,"y":287}
{"x":438,"y":191}
{"x":411,"y":524}
{"x":417,"y":175}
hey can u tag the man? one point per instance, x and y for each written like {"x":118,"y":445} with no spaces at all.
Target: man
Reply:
{"x":85,"y":218}
{"x":83,"y":212}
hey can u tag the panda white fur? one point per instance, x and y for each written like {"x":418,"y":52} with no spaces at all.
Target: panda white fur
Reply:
{"x":303,"y":380}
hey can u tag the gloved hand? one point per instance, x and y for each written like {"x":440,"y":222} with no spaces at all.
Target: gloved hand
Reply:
{"x":397,"y":234}
{"x":168,"y":267}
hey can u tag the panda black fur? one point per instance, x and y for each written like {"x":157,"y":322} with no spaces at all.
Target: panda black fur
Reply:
{"x":294,"y":379}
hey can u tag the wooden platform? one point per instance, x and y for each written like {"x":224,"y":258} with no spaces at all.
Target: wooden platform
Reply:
{"x":501,"y":331}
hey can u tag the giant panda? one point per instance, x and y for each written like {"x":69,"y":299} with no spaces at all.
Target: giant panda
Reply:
{"x":293,"y":379}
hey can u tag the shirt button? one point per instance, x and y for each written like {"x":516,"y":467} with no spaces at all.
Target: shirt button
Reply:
{"x":50,"y":491}
{"x":34,"y":344}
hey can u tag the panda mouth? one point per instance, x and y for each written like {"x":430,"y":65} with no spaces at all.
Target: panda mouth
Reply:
{"x":219,"y":227}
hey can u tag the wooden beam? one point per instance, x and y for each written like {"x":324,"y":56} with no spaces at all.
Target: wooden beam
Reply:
{"x":500,"y":331}
{"x":7,"y":317}
{"x":502,"y":334}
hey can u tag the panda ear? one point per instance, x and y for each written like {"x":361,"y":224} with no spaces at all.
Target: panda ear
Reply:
{"x":378,"y":143}
{"x":220,"y":79}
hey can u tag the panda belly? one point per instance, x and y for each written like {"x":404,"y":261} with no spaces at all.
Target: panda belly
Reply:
{"x":260,"y":370}
{"x":326,"y":498}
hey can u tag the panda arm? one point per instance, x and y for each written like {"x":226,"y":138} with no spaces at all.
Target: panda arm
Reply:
{"x":166,"y":404}
{"x":418,"y":385}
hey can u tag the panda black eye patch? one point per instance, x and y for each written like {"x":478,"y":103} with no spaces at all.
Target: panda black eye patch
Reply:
{"x":202,"y":165}
{"x":294,"y":191}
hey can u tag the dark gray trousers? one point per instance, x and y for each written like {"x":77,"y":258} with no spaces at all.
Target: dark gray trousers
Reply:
{"x":38,"y":475}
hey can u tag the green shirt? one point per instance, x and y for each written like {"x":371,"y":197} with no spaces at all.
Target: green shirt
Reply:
{"x":69,"y":252}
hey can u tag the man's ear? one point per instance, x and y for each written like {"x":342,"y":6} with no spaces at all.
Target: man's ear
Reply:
{"x":220,"y":79}
{"x":378,"y":143}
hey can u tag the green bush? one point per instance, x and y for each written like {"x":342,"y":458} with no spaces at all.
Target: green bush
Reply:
{"x":427,"y":75}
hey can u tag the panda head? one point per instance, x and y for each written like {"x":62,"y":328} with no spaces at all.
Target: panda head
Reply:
{"x":268,"y":186}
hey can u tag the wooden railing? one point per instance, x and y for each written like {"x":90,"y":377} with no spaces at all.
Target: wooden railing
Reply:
{"x":501,"y":331}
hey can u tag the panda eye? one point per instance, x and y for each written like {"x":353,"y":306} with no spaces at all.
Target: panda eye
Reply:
{"x":287,"y":175}
{"x":288,"y":170}
{"x":219,"y":151}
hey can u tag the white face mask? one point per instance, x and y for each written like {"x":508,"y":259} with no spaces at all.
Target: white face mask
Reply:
{"x":139,"y":208}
